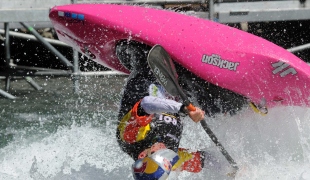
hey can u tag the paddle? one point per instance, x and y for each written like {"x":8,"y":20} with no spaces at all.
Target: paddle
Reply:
{"x":164,"y":70}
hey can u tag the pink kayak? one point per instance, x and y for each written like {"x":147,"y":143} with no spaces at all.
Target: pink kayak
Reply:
{"x":230,"y":58}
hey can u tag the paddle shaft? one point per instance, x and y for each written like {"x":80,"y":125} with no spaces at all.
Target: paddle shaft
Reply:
{"x":206,"y":127}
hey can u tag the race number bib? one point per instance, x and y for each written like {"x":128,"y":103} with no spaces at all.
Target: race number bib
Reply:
{"x":168,"y":119}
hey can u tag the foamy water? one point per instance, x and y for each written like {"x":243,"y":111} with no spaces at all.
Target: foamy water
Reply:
{"x":276,"y":146}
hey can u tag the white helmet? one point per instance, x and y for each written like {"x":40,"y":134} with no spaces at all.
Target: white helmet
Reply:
{"x":155,"y":166}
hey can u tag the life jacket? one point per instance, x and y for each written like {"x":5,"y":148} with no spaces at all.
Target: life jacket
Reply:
{"x":137,"y":133}
{"x":133,"y":127}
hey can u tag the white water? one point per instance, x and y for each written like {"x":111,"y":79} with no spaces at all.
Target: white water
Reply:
{"x":276,"y":146}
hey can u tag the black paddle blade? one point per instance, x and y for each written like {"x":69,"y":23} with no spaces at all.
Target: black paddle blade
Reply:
{"x":164,"y":69}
